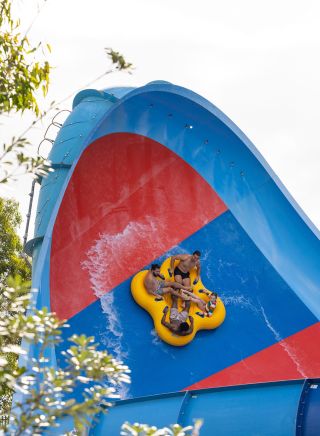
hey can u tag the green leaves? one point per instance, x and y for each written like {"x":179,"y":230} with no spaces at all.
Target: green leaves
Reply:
{"x":97,"y":363}
{"x":136,"y":429}
{"x":118,"y":60}
{"x":16,"y":161}
{"x":11,"y":263}
{"x":20,"y":75}
{"x":93,"y":371}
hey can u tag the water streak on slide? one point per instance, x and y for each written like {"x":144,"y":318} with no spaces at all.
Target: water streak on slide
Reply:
{"x":142,"y":174}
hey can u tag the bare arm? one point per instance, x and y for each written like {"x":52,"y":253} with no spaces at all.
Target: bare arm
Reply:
{"x":180,"y":295}
{"x":163,"y":320}
{"x":173,"y":259}
{"x":198,"y":267}
{"x":193,"y":297}
{"x":191,"y":325}
{"x":190,"y":330}
{"x":177,"y":285}
{"x":146,"y":283}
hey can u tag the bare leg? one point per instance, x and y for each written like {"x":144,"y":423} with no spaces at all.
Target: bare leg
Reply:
{"x":178,"y":279}
{"x":174,"y":301}
{"x":186,"y":282}
{"x":190,"y":297}
{"x":180,"y":294}
{"x":166,"y":290}
{"x":187,"y":305}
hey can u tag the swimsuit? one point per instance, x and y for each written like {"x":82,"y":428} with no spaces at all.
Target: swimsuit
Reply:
{"x":159,"y":290}
{"x":175,"y":315}
{"x":210,"y":306}
{"x":178,"y":272}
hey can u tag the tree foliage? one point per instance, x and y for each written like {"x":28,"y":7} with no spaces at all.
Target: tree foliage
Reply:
{"x":11,"y":262}
{"x":21,"y":75}
{"x":44,"y":388}
{"x":119,"y":61}
{"x":23,"y":78}
{"x":9,"y":369}
{"x":136,"y":429}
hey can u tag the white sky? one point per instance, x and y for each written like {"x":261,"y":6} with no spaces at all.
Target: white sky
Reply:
{"x":258,"y":61}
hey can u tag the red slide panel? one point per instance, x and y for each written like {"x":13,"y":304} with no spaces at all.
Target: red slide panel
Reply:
{"x":137,"y":197}
{"x":295,"y":357}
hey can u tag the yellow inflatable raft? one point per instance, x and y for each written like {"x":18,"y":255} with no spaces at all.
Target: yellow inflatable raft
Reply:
{"x":155,"y":308}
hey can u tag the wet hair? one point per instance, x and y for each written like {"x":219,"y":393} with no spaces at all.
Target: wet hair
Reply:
{"x":197,"y":252}
{"x":155,"y":266}
{"x":183,"y":327}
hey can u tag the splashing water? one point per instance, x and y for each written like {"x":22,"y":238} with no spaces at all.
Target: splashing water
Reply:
{"x":155,"y":338}
{"x":286,"y":347}
{"x":111,"y":251}
{"x":238,"y":300}
{"x":99,"y":265}
{"x":159,"y":343}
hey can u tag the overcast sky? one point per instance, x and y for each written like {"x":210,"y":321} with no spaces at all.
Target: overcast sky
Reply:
{"x":258,"y":61}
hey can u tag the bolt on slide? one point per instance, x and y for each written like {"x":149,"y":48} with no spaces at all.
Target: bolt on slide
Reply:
{"x":155,"y":173}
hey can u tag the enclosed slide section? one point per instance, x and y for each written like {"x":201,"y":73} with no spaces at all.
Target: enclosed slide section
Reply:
{"x":144,"y":174}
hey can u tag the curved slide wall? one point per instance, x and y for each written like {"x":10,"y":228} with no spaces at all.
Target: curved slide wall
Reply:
{"x":143,"y":174}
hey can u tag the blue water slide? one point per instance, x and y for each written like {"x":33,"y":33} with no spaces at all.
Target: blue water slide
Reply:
{"x":267,"y":409}
{"x":143,"y":174}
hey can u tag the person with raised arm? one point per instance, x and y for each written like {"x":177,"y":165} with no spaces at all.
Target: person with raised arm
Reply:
{"x":187,"y":262}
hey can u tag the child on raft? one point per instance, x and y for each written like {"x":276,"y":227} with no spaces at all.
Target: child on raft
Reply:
{"x":207,"y":308}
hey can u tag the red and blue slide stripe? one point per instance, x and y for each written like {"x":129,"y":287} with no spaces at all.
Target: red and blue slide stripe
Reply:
{"x":132,"y":201}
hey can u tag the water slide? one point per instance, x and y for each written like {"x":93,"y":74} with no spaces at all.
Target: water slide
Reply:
{"x":141,"y":175}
